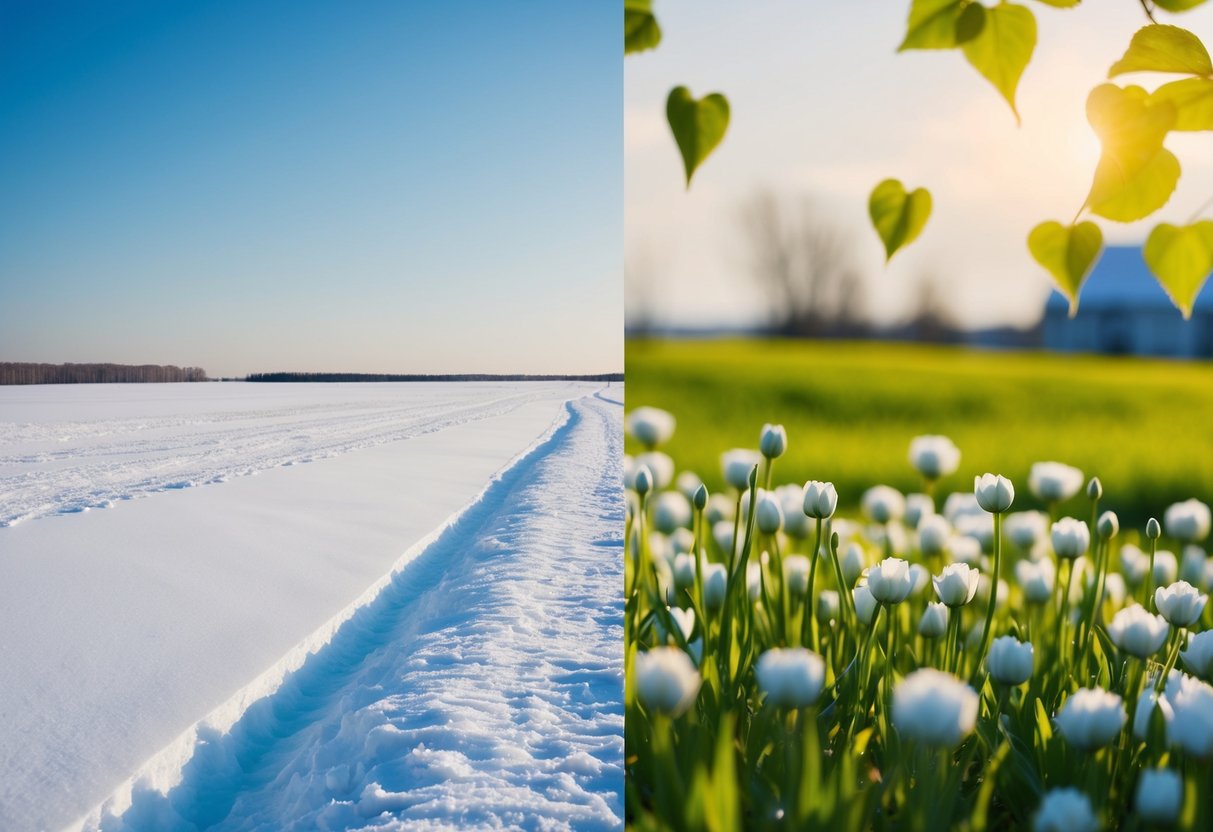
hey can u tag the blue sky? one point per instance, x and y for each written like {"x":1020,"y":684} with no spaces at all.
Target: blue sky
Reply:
{"x":379,"y":186}
{"x":823,"y":107}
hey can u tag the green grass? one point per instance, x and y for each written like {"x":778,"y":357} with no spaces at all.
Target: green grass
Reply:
{"x":1145,"y":427}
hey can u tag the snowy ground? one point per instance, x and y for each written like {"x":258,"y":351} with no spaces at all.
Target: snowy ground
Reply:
{"x":315,"y":647}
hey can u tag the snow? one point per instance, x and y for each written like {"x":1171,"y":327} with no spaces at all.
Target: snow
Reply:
{"x":426,"y":628}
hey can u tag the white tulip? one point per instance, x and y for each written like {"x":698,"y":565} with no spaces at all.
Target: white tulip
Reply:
{"x":934,"y":456}
{"x":827,"y":605}
{"x":1091,"y":718}
{"x":791,"y":677}
{"x":865,"y":603}
{"x":995,"y":494}
{"x":920,"y":577}
{"x":650,"y":426}
{"x":1065,"y":810}
{"x":715,"y":585}
{"x":770,"y":515}
{"x":889,"y":581}
{"x":854,"y":561}
{"x":1036,"y":579}
{"x":1199,"y":656}
{"x":720,"y":508}
{"x":1188,"y":521}
{"x":882,"y":504}
{"x":1192,"y":726}
{"x":1071,"y":538}
{"x":1026,"y":528}
{"x":722,"y":533}
{"x":961,"y":504}
{"x":791,"y":498}
{"x":965,"y":550}
{"x":796,"y":573}
{"x":1134,"y":564}
{"x":918,"y":508}
{"x":1010,"y":660}
{"x":643,"y":480}
{"x":934,"y":708}
{"x":773,"y":441}
{"x":820,"y":499}
{"x":737,"y":465}
{"x":687,"y":483}
{"x":753,"y":581}
{"x":682,"y":540}
{"x":1054,"y":481}
{"x":1137,"y":632}
{"x":684,"y":571}
{"x":660,"y":466}
{"x":1180,"y":603}
{"x":1160,"y":795}
{"x":957,"y":584}
{"x":1145,"y":710}
{"x":1192,"y":565}
{"x":671,"y":511}
{"x":934,"y":621}
{"x":1108,"y":525}
{"x":1166,"y":568}
{"x":934,"y":531}
{"x":666,"y":680}
{"x":1114,"y":588}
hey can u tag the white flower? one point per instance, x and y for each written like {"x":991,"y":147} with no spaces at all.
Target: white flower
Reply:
{"x":671,"y":511}
{"x":1026,"y":528}
{"x":934,"y":531}
{"x":920,"y":577}
{"x":683,"y":619}
{"x":1166,"y":568}
{"x":1108,"y":525}
{"x":1145,"y":709}
{"x":650,"y":426}
{"x":1091,"y":718}
{"x":957,"y":584}
{"x":1180,"y":603}
{"x":666,"y":680}
{"x":1188,"y":521}
{"x":965,"y":550}
{"x":722,"y":532}
{"x":934,"y":621}
{"x":934,"y":708}
{"x":934,"y":456}
{"x":660,"y":466}
{"x":1009,"y":660}
{"x":770,"y":515}
{"x":1192,"y":564}
{"x":773,"y":441}
{"x":1138,"y":632}
{"x":791,"y":497}
{"x":791,"y":677}
{"x":687,"y":483}
{"x":719,"y":508}
{"x":883,"y":504}
{"x":1199,"y":656}
{"x":961,"y":504}
{"x":684,"y":571}
{"x":1160,"y":795}
{"x":865,"y":603}
{"x":1054,"y":481}
{"x":753,"y":581}
{"x":1036,"y":579}
{"x":1071,"y":538}
{"x":827,"y":605}
{"x":918,"y":507}
{"x":1192,"y":726}
{"x":715,"y":585}
{"x":796,"y":573}
{"x":854,"y":561}
{"x":736,"y":466}
{"x":1114,"y":588}
{"x":994,"y":493}
{"x":643,"y":480}
{"x":1065,"y":810}
{"x":1134,"y":564}
{"x":820,"y":499}
{"x":889,"y":581}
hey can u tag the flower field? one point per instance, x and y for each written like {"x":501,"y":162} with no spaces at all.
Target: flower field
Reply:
{"x":968,"y":650}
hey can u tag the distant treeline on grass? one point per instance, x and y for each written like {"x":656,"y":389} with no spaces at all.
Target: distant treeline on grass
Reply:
{"x":425,"y":377}
{"x":12,"y":372}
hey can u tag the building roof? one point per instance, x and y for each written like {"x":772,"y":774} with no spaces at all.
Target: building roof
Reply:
{"x":1121,"y":280}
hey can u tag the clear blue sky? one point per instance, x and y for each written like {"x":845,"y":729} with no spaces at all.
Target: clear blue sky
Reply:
{"x":372,"y":186}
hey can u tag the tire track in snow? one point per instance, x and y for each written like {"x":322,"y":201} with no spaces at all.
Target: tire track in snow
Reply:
{"x":481,"y":688}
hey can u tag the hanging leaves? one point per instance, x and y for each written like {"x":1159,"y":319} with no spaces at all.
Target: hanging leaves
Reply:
{"x":1193,"y":102}
{"x":1003,"y":47}
{"x":932,"y":24}
{"x":640,"y":29}
{"x":1181,"y":258}
{"x":898,"y":216}
{"x":1136,"y":174}
{"x":698,"y":125}
{"x":1068,"y":253}
{"x":1160,"y":48}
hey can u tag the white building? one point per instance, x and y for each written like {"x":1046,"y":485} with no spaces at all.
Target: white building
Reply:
{"x":1123,"y":310}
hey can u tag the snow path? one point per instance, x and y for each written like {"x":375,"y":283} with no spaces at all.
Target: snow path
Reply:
{"x":482,"y":687}
{"x":201,"y":434}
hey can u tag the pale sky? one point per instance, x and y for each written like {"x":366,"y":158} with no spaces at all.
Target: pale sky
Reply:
{"x":308,"y":185}
{"x":822,"y":105}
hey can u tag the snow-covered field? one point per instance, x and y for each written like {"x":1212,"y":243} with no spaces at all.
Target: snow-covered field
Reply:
{"x":401,"y":634}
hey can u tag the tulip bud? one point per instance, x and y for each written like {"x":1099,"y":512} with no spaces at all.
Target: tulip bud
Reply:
{"x":644,"y":480}
{"x":770,"y":515}
{"x":737,"y":466}
{"x":820,"y":499}
{"x":1091,"y":718}
{"x":701,"y":497}
{"x":994,"y":493}
{"x":1009,"y":660}
{"x":661,"y":468}
{"x":1153,"y":530}
{"x":865,"y":604}
{"x":1065,"y":810}
{"x":666,"y":681}
{"x":1160,"y":795}
{"x":1108,"y":525}
{"x":790,"y":677}
{"x":773,"y":442}
{"x":934,"y":621}
{"x":1094,"y":489}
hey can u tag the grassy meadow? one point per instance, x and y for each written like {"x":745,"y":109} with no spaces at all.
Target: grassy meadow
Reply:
{"x":1145,"y":427}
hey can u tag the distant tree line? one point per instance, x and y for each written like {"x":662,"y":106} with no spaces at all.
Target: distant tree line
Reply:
{"x":29,"y":373}
{"x":427,"y":377}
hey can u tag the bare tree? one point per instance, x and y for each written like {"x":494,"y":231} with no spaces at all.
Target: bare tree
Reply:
{"x":933,"y":319}
{"x":640,"y":271}
{"x":803,"y":262}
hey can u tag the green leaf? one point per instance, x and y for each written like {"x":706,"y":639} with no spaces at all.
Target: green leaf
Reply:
{"x":698,"y":125}
{"x":1135,"y":175}
{"x":1181,"y":258}
{"x":1162,"y":48}
{"x":1193,"y":102}
{"x":1067,"y":4}
{"x":1002,"y":50}
{"x":970,"y":23}
{"x":640,"y":29}
{"x":1177,"y":5}
{"x":1068,"y":253}
{"x":932,"y":24}
{"x":898,"y":216}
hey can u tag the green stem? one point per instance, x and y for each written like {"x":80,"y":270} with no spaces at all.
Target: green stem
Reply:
{"x":810,"y":619}
{"x":1150,"y":576}
{"x":984,"y":644}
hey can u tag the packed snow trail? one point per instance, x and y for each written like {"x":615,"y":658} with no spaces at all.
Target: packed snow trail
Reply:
{"x":482,"y":688}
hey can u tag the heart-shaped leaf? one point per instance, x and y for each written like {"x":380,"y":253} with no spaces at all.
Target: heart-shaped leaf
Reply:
{"x":1002,"y":49}
{"x":1193,"y":101}
{"x":932,"y":24}
{"x":698,"y":125}
{"x":1068,"y":253}
{"x":1162,"y":48}
{"x":1181,"y":258}
{"x":1068,"y":4}
{"x":1136,"y":174}
{"x":898,"y":216}
{"x":640,"y":29}
{"x":1177,"y":5}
